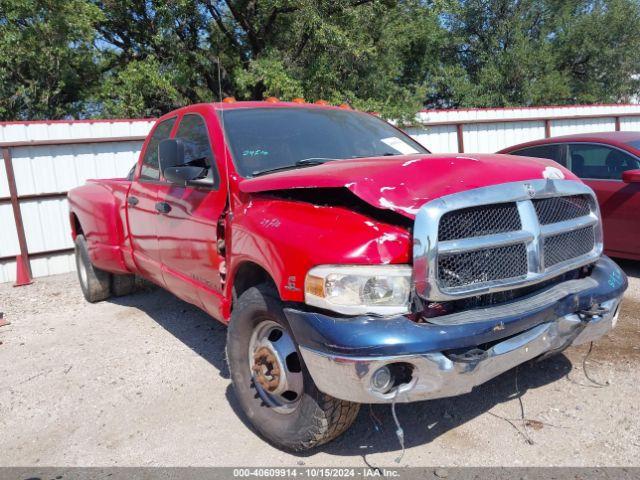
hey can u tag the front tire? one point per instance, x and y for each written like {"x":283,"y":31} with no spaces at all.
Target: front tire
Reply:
{"x":271,"y":381}
{"x":95,"y":283}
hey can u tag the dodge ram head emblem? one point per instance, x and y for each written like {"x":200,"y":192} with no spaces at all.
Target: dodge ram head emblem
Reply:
{"x":530,"y":190}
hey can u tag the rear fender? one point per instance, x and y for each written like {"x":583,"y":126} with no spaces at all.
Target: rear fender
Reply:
{"x":97,"y":210}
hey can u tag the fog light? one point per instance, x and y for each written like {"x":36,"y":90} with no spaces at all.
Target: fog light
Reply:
{"x":381,"y":380}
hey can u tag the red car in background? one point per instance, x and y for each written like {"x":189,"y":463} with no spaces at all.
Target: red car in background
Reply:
{"x":609,"y":163}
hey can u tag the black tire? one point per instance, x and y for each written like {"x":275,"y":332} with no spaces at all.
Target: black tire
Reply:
{"x":122,"y":284}
{"x":95,"y":283}
{"x":318,"y":418}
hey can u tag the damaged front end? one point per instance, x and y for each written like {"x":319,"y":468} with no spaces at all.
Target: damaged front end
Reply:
{"x":434,"y":360}
{"x":501,"y":275}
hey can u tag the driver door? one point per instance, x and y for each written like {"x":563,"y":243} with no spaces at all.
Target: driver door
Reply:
{"x":142,"y":210}
{"x":187,"y":226}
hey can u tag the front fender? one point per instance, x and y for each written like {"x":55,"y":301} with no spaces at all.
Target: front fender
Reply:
{"x":287,"y":238}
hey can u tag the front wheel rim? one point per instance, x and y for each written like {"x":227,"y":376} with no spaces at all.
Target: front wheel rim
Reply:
{"x":275,"y":368}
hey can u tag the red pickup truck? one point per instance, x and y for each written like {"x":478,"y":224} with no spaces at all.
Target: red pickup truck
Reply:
{"x":350,"y":264}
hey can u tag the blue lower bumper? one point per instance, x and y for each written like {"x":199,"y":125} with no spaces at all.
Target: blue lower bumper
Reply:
{"x":365,"y":336}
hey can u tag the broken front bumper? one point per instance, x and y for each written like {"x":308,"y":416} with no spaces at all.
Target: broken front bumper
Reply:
{"x":342,"y":354}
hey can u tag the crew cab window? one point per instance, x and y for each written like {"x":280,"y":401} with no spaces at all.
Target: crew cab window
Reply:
{"x":197,"y":147}
{"x":590,"y":160}
{"x":552,"y":152}
{"x":263,"y":140}
{"x":150,"y":170}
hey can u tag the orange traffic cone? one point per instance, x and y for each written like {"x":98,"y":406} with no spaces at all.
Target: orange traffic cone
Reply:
{"x":23,"y":272}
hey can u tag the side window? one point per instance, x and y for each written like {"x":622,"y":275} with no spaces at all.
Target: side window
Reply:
{"x":552,"y":152}
{"x":150,"y":169}
{"x":590,"y":160}
{"x":197,"y":147}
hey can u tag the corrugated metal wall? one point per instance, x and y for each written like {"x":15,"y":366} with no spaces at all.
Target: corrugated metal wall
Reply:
{"x":53,"y":169}
{"x":439,"y":132}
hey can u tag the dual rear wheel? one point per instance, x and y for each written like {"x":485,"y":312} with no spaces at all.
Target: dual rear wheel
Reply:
{"x":97,"y":284}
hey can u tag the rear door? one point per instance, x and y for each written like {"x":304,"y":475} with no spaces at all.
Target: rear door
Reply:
{"x":601,"y":166}
{"x":142,"y":210}
{"x":187,"y":231}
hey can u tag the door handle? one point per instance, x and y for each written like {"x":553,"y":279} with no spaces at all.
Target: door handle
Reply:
{"x":133,"y":201}
{"x":163,"y":207}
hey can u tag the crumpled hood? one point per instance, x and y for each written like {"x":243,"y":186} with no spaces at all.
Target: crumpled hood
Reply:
{"x":404,"y":183}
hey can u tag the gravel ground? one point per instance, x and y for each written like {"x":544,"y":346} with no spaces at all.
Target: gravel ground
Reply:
{"x":142,"y":380}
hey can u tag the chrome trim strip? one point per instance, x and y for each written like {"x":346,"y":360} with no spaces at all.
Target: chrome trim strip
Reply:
{"x":529,"y":221}
{"x":486,"y":241}
{"x":568,"y":225}
{"x":426,"y":248}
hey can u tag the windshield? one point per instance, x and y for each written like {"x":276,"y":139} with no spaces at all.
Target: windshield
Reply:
{"x":266,"y":139}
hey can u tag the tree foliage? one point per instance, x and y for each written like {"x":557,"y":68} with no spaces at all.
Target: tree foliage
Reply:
{"x":47,"y":59}
{"x":80,"y":58}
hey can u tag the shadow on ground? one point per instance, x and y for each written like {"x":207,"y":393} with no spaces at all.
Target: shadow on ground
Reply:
{"x":192,"y":326}
{"x":374,"y":429}
{"x":423,"y":422}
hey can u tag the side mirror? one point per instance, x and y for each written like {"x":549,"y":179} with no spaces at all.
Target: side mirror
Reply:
{"x":170,"y":153}
{"x":631,"y":176}
{"x":172,"y":163}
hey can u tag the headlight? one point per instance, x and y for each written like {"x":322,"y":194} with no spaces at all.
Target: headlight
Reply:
{"x":354,"y":290}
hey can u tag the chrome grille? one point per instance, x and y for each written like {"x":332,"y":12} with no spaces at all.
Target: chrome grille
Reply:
{"x":478,"y":221}
{"x":565,"y":246}
{"x":559,"y":209}
{"x":505,"y":236}
{"x":480,"y":266}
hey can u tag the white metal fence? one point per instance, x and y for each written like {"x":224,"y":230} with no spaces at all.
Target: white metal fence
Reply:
{"x":49,"y":158}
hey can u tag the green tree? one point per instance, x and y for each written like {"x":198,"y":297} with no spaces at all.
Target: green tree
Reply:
{"x":537,"y":52}
{"x":47,"y":58}
{"x":597,"y":47}
{"x":340,"y":50}
{"x":142,"y":88}
{"x":504,"y":56}
{"x":145,"y":57}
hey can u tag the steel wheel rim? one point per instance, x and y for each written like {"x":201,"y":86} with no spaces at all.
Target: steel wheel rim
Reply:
{"x":275,"y":367}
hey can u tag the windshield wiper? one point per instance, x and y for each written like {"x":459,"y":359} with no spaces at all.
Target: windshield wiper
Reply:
{"x":305,"y":162}
{"x":385,"y":154}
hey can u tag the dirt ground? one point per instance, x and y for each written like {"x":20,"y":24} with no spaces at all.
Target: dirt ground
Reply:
{"x":142,"y":381}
